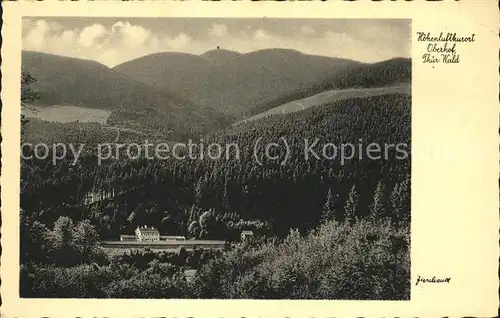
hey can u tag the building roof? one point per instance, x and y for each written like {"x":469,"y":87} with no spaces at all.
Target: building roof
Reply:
{"x":146,"y":229}
{"x":247,"y":232}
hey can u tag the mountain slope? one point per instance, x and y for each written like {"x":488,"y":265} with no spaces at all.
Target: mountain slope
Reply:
{"x":175,"y":71}
{"x":391,"y":73}
{"x":231,"y":82}
{"x":290,"y":193}
{"x":328,"y":97}
{"x":90,"y":134}
{"x":77,"y":82}
{"x":397,"y":70}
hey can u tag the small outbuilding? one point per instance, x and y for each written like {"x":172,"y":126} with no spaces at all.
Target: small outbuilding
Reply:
{"x":127,"y":237}
{"x":172,"y":238}
{"x":247,"y":236}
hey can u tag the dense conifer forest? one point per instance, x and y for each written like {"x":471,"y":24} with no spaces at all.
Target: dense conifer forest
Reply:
{"x":325,"y":227}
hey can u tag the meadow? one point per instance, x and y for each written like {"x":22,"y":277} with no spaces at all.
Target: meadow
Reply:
{"x":67,"y":114}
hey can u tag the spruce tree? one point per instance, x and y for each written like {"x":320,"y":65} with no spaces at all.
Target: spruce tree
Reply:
{"x":328,"y":212}
{"x":225,"y":196}
{"x":399,"y":199}
{"x":351,"y":205}
{"x":378,"y":205}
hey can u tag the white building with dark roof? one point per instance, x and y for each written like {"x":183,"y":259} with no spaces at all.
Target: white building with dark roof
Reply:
{"x":147,"y":234}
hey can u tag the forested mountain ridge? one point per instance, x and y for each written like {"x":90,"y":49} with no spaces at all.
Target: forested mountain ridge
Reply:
{"x":285,"y":196}
{"x":231,"y":82}
{"x":78,"y":82}
{"x":352,"y":215}
{"x":181,"y":96}
{"x":393,"y":72}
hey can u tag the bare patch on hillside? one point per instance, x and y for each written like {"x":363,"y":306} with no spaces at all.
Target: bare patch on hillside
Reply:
{"x":67,"y":114}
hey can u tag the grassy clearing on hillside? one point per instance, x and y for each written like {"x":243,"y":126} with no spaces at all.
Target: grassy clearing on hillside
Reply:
{"x":330,"y":97}
{"x":67,"y":114}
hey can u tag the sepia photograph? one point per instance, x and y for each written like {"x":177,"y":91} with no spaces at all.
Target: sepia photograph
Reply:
{"x":249,"y":159}
{"x":215,"y":158}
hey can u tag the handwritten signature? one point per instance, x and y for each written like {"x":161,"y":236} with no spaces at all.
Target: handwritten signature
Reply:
{"x":433,"y":280}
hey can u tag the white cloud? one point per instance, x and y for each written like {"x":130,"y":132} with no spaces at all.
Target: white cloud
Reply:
{"x":131,"y":35}
{"x":92,"y":35}
{"x":38,"y":32}
{"x":68,"y":36}
{"x":218,"y":30}
{"x":124,"y":41}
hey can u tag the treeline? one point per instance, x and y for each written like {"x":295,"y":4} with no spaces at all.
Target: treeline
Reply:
{"x":37,"y":131}
{"x":238,"y":193}
{"x":391,"y":72}
{"x":84,"y":136}
{"x":69,"y":81}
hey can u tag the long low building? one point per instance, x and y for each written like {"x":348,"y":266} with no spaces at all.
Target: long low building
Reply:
{"x":170,"y":244}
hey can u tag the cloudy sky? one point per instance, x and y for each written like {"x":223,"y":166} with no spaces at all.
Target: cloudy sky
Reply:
{"x":112,"y":41}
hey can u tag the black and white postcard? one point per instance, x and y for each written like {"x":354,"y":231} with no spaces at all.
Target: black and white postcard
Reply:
{"x":163,"y":152}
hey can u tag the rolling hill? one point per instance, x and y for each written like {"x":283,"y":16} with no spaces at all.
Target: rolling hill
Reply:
{"x":220,"y":55}
{"x":184,"y":95}
{"x":175,"y":71}
{"x":84,"y":83}
{"x":230,"y":82}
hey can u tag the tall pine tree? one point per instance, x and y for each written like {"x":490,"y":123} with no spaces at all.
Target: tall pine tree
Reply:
{"x":378,"y":206}
{"x":328,"y":212}
{"x":351,"y":205}
{"x":400,"y":204}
